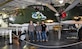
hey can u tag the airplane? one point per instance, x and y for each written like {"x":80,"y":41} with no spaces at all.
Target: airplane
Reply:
{"x":24,"y":3}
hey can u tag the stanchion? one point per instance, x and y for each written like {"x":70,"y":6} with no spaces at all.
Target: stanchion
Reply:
{"x":10,"y":37}
{"x":59,"y":20}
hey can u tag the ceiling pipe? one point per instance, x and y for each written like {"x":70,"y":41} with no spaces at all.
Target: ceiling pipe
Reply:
{"x":5,"y":2}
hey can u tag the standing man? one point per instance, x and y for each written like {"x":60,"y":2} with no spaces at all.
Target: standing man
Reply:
{"x":44,"y":35}
{"x":31,"y":29}
{"x":38,"y":29}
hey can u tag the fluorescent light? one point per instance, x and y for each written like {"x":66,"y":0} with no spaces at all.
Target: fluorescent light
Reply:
{"x":61,"y":1}
{"x":49,"y":21}
{"x":11,"y":18}
{"x":4,"y":9}
{"x":76,"y":17}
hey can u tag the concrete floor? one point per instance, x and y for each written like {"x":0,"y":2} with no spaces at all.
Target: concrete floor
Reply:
{"x":53,"y":41}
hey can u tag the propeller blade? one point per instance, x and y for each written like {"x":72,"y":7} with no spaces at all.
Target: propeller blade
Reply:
{"x":51,"y":7}
{"x":72,"y":5}
{"x":48,"y":5}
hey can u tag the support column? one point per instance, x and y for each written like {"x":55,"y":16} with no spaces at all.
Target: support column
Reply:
{"x":10,"y":36}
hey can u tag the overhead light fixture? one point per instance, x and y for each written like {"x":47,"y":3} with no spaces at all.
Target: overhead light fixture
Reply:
{"x":76,"y":17}
{"x":23,"y":7}
{"x":61,"y":1}
{"x":12,"y":18}
{"x":16,"y":8}
{"x":39,"y":3}
{"x":3,"y":8}
{"x":49,"y":21}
